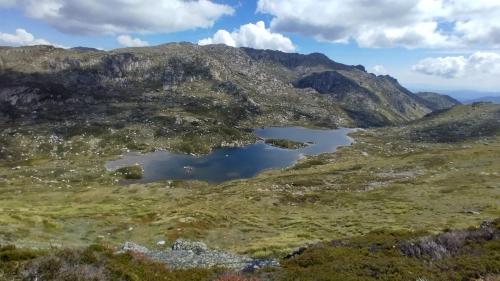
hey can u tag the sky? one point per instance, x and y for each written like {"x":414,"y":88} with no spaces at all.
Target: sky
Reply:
{"x":435,"y":45}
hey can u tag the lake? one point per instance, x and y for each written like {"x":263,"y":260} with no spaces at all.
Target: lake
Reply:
{"x":225,"y":164}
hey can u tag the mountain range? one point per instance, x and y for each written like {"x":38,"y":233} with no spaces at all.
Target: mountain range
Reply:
{"x":232,"y":86}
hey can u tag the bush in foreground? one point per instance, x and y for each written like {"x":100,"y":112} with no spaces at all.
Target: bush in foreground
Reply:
{"x":468,"y":255}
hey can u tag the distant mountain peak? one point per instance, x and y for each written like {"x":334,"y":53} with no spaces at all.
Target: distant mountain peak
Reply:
{"x":437,"y":101}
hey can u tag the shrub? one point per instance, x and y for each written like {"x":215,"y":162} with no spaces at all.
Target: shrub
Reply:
{"x":462,"y":255}
{"x":131,"y":173}
{"x":97,"y":263}
{"x":236,"y":277}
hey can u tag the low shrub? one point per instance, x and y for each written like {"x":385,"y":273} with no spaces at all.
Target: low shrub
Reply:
{"x":131,"y":173}
{"x":236,"y":277}
{"x":95,"y":263}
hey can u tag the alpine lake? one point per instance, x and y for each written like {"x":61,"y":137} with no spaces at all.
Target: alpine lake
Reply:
{"x":278,"y":147}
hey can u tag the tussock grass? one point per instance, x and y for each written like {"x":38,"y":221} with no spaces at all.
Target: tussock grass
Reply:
{"x":383,"y":180}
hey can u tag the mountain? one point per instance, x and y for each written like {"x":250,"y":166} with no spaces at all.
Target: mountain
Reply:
{"x":213,"y":84}
{"x":85,"y":49}
{"x":437,"y":101}
{"x":368,"y":99}
{"x":459,"y":123}
{"x":493,"y":99}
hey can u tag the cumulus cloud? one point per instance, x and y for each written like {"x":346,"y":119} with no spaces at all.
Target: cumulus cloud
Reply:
{"x":251,"y":35}
{"x":379,"y":70}
{"x":447,"y":67}
{"x":479,"y":63}
{"x":128,"y":41}
{"x":23,"y":38}
{"x":390,"y":23}
{"x":125,"y":16}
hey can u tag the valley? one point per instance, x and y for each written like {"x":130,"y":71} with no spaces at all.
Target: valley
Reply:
{"x":416,"y":166}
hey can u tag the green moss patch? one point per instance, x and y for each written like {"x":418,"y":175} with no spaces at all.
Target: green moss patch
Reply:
{"x":284,"y":143}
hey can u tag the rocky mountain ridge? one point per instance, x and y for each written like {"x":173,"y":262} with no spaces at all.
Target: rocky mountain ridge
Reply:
{"x":263,"y":86}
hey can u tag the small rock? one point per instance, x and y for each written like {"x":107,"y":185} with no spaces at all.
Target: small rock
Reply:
{"x":161,"y":243}
{"x":473,"y":212}
{"x":486,"y":224}
{"x":134,"y":248}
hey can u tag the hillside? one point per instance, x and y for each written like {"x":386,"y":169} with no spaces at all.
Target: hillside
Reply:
{"x":256,"y":86}
{"x":380,"y":255}
{"x":437,"y":101}
{"x":460,"y":123}
{"x":385,"y":180}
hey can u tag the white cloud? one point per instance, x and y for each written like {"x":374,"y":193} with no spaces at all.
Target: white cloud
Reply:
{"x":127,"y":41}
{"x":390,"y":23}
{"x":379,"y":70}
{"x":220,"y":37}
{"x":23,"y":38}
{"x":477,"y":64}
{"x":251,"y":35}
{"x":447,"y":67}
{"x":125,"y":16}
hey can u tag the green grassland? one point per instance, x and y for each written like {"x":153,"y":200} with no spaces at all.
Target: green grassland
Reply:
{"x":386,"y":180}
{"x":467,"y":254}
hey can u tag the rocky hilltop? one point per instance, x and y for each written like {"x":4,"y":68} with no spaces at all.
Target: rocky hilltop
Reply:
{"x":457,"y":124}
{"x":236,"y":85}
{"x":437,"y":101}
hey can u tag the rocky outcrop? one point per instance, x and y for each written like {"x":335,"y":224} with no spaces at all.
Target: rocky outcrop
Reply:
{"x":192,"y":254}
{"x":449,"y":243}
{"x":19,"y":96}
{"x":330,"y":82}
{"x":375,"y":101}
{"x":179,"y":70}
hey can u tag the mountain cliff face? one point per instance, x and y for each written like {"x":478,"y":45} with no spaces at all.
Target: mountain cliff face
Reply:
{"x":230,"y":86}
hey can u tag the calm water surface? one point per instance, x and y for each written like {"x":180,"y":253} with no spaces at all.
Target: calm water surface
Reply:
{"x":235,"y":163}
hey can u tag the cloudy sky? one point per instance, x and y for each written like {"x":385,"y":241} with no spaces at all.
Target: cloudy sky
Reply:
{"x":426,"y":44}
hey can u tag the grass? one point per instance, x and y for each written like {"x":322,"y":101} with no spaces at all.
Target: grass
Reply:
{"x":379,"y":255}
{"x":56,"y":192}
{"x":378,"y":182}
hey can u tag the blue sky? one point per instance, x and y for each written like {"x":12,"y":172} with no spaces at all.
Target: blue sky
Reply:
{"x":426,"y":44}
